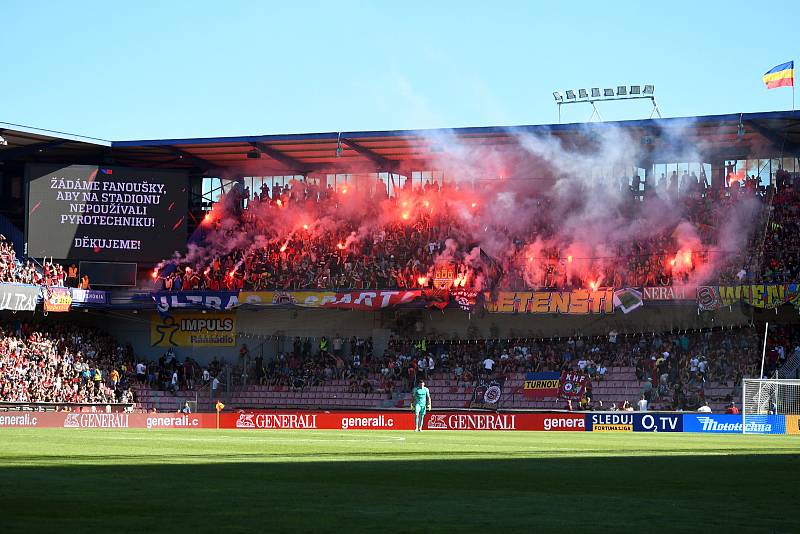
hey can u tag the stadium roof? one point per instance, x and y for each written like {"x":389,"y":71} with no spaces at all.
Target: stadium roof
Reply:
{"x":733,"y":136}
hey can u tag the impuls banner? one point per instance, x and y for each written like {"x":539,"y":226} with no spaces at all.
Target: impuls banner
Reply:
{"x":193,"y":330}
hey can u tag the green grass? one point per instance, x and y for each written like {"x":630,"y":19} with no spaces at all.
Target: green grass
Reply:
{"x":60,"y":480}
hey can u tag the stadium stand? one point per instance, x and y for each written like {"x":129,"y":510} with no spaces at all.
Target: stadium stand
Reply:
{"x":14,"y":271}
{"x":675,"y":371}
{"x":62,"y":364}
{"x":309,"y":238}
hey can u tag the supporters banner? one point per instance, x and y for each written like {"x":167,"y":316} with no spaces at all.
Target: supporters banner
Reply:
{"x":669,"y":293}
{"x":572,"y":385}
{"x":465,"y":298}
{"x":88,"y":296}
{"x":766,"y":296}
{"x":575,"y":302}
{"x":352,"y":300}
{"x":436,"y":298}
{"x":627,"y":300}
{"x":541,"y":385}
{"x":216,"y":300}
{"x":193,"y":330}
{"x":733,"y":424}
{"x":57,"y":299}
{"x":18,"y":297}
{"x":488,"y":393}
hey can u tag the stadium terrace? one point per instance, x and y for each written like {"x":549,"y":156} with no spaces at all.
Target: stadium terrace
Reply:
{"x":577,"y":267}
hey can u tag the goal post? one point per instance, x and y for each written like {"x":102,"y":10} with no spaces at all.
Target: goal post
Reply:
{"x":765,"y":400}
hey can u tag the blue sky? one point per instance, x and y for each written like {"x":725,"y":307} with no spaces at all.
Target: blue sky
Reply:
{"x":140,"y":70}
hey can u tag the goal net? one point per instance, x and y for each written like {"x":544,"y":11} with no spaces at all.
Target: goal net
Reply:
{"x":766,"y":402}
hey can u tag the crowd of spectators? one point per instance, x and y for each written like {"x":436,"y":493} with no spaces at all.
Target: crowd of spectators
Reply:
{"x":673,"y":368}
{"x":306,"y":236}
{"x":62,"y":363}
{"x":781,"y":248}
{"x":14,"y":271}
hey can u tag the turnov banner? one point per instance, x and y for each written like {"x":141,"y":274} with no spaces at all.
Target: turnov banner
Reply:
{"x":57,"y":299}
{"x":733,"y":424}
{"x":765,"y":296}
{"x":572,"y":385}
{"x":193,"y":330}
{"x":18,"y":297}
{"x":352,"y":300}
{"x":575,"y":302}
{"x":541,"y":385}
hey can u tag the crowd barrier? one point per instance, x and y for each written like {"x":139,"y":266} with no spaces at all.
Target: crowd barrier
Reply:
{"x":326,"y":420}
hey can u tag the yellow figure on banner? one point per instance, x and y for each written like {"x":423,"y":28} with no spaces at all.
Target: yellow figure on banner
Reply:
{"x":168,"y":326}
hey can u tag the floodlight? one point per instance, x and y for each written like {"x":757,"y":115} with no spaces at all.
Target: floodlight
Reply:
{"x":622,"y":90}
{"x":595,"y":92}
{"x":608,"y":92}
{"x":3,"y":141}
{"x":570,"y":94}
{"x":636,"y":89}
{"x":582,"y":93}
{"x":557,"y":96}
{"x":649,"y":89}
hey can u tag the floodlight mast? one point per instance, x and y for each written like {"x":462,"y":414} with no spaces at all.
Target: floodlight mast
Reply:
{"x":581,"y":96}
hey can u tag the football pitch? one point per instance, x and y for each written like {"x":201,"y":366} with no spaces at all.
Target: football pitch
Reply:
{"x":80,"y":480}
